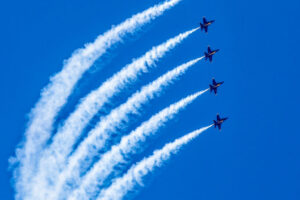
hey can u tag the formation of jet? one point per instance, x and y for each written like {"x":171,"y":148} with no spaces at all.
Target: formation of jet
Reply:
{"x":215,"y":86}
{"x":209,"y":54}
{"x":219,"y":121}
{"x":204,"y":25}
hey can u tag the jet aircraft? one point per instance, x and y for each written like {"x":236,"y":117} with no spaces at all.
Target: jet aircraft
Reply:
{"x":205,"y":24}
{"x":209,"y":54}
{"x":219,"y":121}
{"x":215,"y":85}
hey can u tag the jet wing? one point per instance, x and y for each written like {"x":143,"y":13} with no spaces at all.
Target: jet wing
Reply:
{"x":209,"y":50}
{"x":215,"y":90}
{"x":210,"y":58}
{"x":204,"y":21}
{"x":214,"y":81}
{"x":205,"y":29}
{"x":218,"y":117}
{"x":219,"y":126}
{"x":225,"y":118}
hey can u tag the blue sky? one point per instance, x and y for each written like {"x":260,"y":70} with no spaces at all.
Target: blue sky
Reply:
{"x":255,"y":156}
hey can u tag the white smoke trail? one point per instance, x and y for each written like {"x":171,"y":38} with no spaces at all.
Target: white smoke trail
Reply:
{"x":52,"y":162}
{"x":104,"y":166}
{"x":54,"y":96}
{"x":134,"y":175}
{"x":82,"y":158}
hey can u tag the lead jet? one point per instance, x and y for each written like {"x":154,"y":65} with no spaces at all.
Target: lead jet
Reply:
{"x":205,"y":24}
{"x":209,"y":54}
{"x":215,"y":85}
{"x":219,"y":121}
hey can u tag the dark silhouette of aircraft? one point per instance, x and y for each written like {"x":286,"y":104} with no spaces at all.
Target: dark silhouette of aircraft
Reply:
{"x":215,"y":85}
{"x":209,"y":54}
{"x":205,"y":24}
{"x":219,"y":121}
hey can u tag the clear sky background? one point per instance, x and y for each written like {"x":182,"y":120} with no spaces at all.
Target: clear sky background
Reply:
{"x":255,"y":156}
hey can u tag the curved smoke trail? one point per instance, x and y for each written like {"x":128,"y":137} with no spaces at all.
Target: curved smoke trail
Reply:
{"x":53,"y":160}
{"x":88,"y":149}
{"x":120,"y":186}
{"x":55,"y":95}
{"x":91,"y":181}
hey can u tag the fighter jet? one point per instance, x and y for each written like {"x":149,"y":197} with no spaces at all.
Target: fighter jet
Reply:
{"x":215,"y":86}
{"x":205,"y":24}
{"x":209,"y":54}
{"x":219,"y":121}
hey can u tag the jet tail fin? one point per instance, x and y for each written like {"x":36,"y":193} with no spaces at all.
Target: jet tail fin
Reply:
{"x":210,"y":88}
{"x":202,"y":26}
{"x":206,"y":55}
{"x":215,"y":123}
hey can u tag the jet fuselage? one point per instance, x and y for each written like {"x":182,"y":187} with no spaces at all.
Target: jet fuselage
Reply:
{"x":216,"y":86}
{"x":213,"y":52}
{"x":207,"y":24}
{"x":219,"y":121}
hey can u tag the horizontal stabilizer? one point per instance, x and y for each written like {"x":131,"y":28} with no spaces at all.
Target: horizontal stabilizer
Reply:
{"x":215,"y":123}
{"x":201,"y":26}
{"x":206,"y":55}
